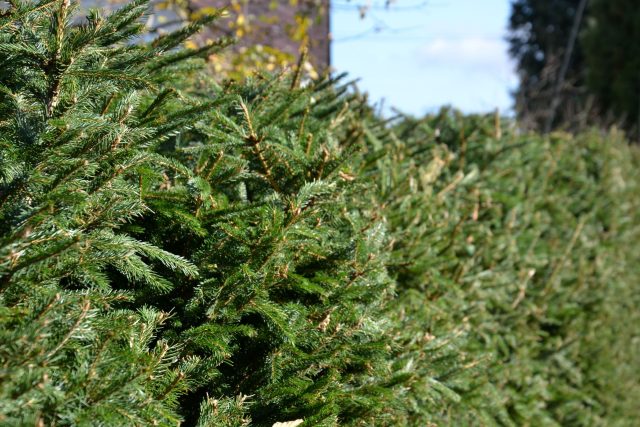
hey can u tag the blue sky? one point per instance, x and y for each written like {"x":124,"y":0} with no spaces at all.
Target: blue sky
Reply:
{"x":419,"y":55}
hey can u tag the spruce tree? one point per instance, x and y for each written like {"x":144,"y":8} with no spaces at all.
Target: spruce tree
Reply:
{"x":75,"y":137}
{"x":221,"y":213}
{"x":289,"y":305}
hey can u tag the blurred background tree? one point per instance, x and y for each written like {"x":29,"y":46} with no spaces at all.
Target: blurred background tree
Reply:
{"x":612,"y":54}
{"x":538,"y":34}
{"x":602,"y":79}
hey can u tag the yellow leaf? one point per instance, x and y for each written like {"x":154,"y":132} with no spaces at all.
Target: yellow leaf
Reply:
{"x":204,"y":12}
{"x":163,"y":5}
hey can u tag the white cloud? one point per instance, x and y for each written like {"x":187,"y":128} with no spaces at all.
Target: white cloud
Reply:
{"x":481,"y":54}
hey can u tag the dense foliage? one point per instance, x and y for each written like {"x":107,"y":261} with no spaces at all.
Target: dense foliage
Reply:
{"x":175,"y":251}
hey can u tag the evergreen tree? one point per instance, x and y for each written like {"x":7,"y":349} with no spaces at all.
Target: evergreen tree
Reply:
{"x":75,"y":138}
{"x":123,"y":161}
{"x":288,"y":307}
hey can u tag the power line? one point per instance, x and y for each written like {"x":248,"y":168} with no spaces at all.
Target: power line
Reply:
{"x":387,"y":6}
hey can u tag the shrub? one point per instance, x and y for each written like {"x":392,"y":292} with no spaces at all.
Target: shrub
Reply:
{"x":515,"y":242}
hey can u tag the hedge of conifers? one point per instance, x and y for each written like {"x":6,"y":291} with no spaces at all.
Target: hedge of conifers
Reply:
{"x":174,"y":251}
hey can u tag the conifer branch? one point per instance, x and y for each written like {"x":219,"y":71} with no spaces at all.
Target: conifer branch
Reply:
{"x":91,"y":372}
{"x":36,"y":9}
{"x":107,"y":104}
{"x":560,"y":264}
{"x":254,"y":142}
{"x":83,"y":313}
{"x":295,"y":82}
{"x":214,"y":166}
{"x":54,"y":68}
{"x":6,"y":279}
{"x":171,"y":386}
